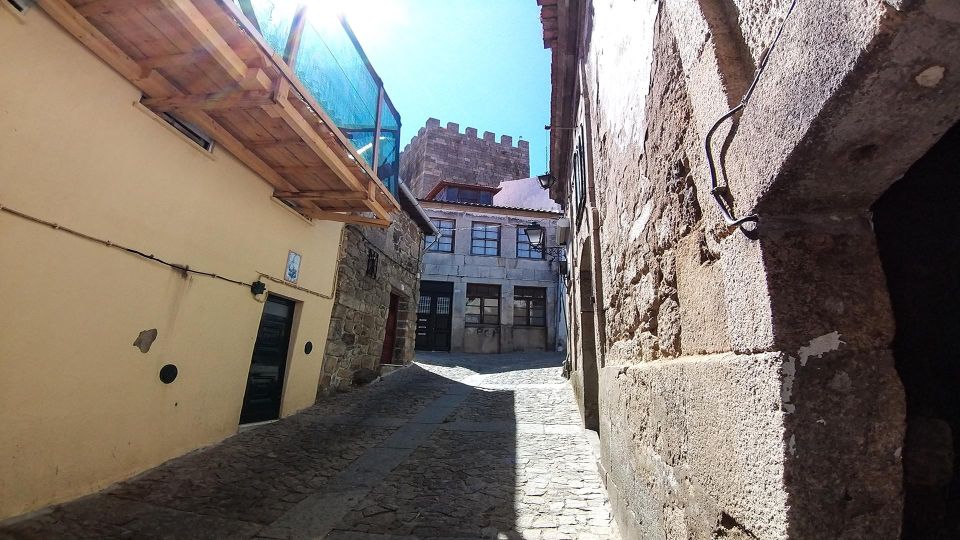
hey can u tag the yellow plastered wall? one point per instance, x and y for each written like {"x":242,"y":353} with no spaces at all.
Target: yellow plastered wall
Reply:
{"x":80,"y":406}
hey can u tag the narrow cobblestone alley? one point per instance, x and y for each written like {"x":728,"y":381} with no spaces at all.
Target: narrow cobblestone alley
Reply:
{"x":455,"y":446}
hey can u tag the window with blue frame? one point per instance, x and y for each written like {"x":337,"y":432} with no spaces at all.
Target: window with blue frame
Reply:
{"x":465,"y":195}
{"x":444,"y":242}
{"x":485,"y":239}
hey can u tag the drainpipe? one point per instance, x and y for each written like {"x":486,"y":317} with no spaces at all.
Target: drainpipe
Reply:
{"x":425,"y":224}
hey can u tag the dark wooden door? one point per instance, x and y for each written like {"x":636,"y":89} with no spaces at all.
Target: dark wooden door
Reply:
{"x":390,"y":335}
{"x":434,"y":316}
{"x":261,"y":401}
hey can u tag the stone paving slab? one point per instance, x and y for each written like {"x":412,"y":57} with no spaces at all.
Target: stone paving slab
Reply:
{"x":456,"y":446}
{"x":552,"y":405}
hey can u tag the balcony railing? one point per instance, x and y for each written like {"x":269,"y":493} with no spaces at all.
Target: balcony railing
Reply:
{"x":327,"y":58}
{"x":260,"y":85}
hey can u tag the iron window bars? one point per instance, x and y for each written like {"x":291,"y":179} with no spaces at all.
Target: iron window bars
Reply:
{"x":373,"y":263}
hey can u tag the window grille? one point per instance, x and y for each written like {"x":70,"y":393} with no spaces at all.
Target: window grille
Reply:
{"x":373,"y":262}
{"x":443,"y":305}
{"x":423,"y":306}
{"x":191,"y":131}
{"x":485,"y":239}
{"x":483,"y":304}
{"x":529,"y":306}
{"x":20,"y":5}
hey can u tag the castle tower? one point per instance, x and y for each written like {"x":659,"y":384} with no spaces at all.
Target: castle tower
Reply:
{"x":444,"y":154}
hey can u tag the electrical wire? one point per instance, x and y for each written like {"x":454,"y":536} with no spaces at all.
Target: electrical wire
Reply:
{"x":715,"y":189}
{"x":182,"y":268}
{"x":384,"y":253}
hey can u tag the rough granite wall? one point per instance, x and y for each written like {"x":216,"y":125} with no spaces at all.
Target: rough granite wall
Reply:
{"x":362,"y":303}
{"x":437,"y":153}
{"x":746,"y":377}
{"x":691,"y":433}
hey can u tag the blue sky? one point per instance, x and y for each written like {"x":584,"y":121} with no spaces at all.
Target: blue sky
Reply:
{"x":479,"y":63}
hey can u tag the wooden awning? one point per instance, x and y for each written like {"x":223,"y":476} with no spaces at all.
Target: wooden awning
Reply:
{"x":204,"y":62}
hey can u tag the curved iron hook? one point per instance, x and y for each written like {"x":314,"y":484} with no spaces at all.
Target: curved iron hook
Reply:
{"x":715,"y":188}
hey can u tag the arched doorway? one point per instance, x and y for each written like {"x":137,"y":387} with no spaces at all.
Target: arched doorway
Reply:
{"x":588,"y":345}
{"x":918,"y":235}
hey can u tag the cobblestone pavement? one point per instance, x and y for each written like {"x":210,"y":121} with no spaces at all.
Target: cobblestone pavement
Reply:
{"x":455,"y":446}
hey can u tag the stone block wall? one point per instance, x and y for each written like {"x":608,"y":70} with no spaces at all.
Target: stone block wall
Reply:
{"x":744,"y":377}
{"x":508,"y":271}
{"x":445,"y":154}
{"x":362,"y":303}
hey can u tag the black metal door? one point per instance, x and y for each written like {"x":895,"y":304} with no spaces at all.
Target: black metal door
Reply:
{"x":434,"y":316}
{"x":261,"y":401}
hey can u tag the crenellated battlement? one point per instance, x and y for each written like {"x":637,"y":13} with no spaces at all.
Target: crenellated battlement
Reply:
{"x":444,"y":153}
{"x":472,"y":132}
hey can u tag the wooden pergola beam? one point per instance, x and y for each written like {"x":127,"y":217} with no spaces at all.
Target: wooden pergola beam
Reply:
{"x":345,"y":218}
{"x":297,"y":85}
{"x":285,"y":111}
{"x":207,"y":36}
{"x":236,"y":147}
{"x":207,"y":102}
{"x":89,"y":35}
{"x":328,"y":195}
{"x":171,"y":60}
{"x":153,"y":84}
{"x":160,"y":94}
{"x":372,"y":204}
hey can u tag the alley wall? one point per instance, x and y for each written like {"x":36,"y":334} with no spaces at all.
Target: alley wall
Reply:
{"x":741,"y":379}
{"x":359,"y":320}
{"x":82,"y":406}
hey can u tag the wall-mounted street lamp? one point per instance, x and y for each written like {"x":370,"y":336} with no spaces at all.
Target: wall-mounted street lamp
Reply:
{"x":546,"y":180}
{"x":535,"y":235}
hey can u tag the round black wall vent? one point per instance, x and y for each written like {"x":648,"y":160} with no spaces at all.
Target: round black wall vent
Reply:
{"x":168,"y":373}
{"x":308,"y":348}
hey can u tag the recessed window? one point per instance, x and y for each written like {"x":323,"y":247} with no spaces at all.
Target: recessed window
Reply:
{"x":191,"y":131}
{"x":466,"y":195}
{"x":529,"y":306}
{"x":485,"y":239}
{"x":524,"y":250}
{"x":579,"y":177}
{"x":443,"y":243}
{"x":483,"y":304}
{"x":373,"y":263}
